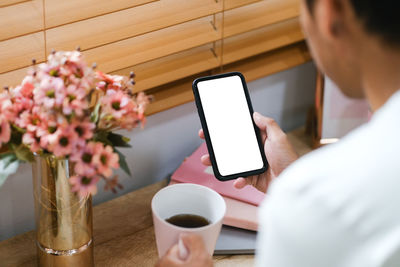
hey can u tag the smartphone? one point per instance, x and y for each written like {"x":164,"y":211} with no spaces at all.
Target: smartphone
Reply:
{"x":226,"y":114}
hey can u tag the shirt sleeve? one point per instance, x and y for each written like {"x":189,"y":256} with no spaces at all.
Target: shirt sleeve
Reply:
{"x":298,"y":230}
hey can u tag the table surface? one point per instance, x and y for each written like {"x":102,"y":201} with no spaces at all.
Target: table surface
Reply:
{"x":123,"y":230}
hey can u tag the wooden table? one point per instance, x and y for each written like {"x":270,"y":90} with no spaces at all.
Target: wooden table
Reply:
{"x":123,"y":230}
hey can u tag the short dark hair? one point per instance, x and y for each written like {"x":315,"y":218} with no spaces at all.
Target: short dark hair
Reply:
{"x":379,"y":17}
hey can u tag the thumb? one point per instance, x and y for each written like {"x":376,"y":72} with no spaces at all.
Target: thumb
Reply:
{"x":267,"y":125}
{"x":192,"y":242}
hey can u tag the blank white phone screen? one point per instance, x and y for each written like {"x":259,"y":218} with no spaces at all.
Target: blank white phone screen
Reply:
{"x":230,"y":125}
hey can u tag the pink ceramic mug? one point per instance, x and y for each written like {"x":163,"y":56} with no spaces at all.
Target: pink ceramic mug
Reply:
{"x":186,"y":199}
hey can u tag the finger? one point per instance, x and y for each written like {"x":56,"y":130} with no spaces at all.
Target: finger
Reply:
{"x":205,"y":159}
{"x":263,"y":136}
{"x":201,"y":133}
{"x":194,"y":243}
{"x":183,"y":252}
{"x":267,"y":125}
{"x":171,"y":258}
{"x":173,"y":253}
{"x":240,"y":183}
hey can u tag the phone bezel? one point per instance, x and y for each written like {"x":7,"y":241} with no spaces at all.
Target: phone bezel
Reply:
{"x":207,"y":135}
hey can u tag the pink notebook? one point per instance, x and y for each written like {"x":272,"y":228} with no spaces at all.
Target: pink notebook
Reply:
{"x":193,"y":171}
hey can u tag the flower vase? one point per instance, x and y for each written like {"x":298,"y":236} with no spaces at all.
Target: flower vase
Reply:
{"x":64,"y":228}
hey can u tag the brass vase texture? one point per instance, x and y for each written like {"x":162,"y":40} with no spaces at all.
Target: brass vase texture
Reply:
{"x":64,"y":228}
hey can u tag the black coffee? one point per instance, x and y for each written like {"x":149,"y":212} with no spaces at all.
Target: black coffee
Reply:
{"x":188,"y":220}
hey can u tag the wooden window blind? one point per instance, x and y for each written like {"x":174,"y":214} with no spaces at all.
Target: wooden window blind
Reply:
{"x":165,"y":42}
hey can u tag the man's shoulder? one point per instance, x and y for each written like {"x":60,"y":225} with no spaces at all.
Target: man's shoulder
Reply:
{"x":326,"y":164}
{"x":344,"y":187}
{"x":368,"y":154}
{"x":337,"y":199}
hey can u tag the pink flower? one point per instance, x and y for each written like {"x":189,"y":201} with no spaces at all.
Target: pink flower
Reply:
{"x":107,"y":82}
{"x":32,"y":141}
{"x":75,"y":100}
{"x":21,"y":104}
{"x":130,"y":121}
{"x":117,"y":104}
{"x":71,"y":67}
{"x":119,"y":109}
{"x":53,"y":109}
{"x":7,"y":111}
{"x":29,"y":120}
{"x":84,"y":185}
{"x":70,"y":60}
{"x":47,"y":131}
{"x":83,"y":158}
{"x":112,"y":184}
{"x":22,"y":95}
{"x":5,"y":131}
{"x":27,"y":87}
{"x":50,"y":93}
{"x":142,"y":102}
{"x":105,"y":159}
{"x":84,"y":129}
{"x":71,"y":70}
{"x":65,"y":142}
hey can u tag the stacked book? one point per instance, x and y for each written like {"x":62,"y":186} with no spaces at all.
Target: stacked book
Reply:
{"x":242,"y":204}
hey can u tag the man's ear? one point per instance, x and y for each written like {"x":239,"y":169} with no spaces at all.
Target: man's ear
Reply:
{"x":329,"y":15}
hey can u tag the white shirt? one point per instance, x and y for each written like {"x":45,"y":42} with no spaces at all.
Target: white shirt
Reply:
{"x":340,"y":205}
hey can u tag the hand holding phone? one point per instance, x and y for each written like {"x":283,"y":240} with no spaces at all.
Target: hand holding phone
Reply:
{"x":232,"y":138}
{"x":277,"y":147}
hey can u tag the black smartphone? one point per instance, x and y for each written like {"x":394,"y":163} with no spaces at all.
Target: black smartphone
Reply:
{"x":226,"y":114}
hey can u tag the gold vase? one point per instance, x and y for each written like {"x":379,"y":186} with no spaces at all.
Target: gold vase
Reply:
{"x":64,"y":228}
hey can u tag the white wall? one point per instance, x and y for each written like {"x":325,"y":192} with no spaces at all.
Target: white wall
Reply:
{"x":168,"y":138}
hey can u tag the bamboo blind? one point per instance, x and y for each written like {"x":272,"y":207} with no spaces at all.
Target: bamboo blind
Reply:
{"x":165,"y":42}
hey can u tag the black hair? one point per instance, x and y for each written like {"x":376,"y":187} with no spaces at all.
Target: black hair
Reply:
{"x":379,"y":17}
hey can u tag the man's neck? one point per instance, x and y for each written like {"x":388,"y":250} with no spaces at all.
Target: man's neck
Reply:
{"x":381,"y":74}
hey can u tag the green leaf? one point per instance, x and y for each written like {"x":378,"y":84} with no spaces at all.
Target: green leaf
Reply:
{"x":23,"y":153}
{"x":118,"y":140}
{"x":5,"y":155}
{"x":111,"y":139}
{"x":18,"y":129}
{"x":8,"y":165}
{"x":94,"y":117}
{"x":8,"y":158}
{"x":101,"y":136}
{"x":16,"y":137}
{"x":122,"y":162}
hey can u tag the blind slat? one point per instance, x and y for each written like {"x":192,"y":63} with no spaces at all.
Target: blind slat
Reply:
{"x":272,"y":62}
{"x":62,"y":12}
{"x":19,"y":19}
{"x":19,"y":52}
{"x":171,"y":68}
{"x":177,"y":93}
{"x":231,"y":4}
{"x":262,"y":40}
{"x":260,"y":14}
{"x":153,"y":45}
{"x":4,"y":3}
{"x":171,"y":95}
{"x":128,"y":23}
{"x":167,"y":43}
{"x":12,"y":78}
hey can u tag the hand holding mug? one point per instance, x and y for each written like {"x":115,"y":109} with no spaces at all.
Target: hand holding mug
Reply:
{"x":176,"y":210}
{"x":197,"y":255}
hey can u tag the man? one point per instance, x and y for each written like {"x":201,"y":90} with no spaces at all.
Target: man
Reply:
{"x":337,"y":206}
